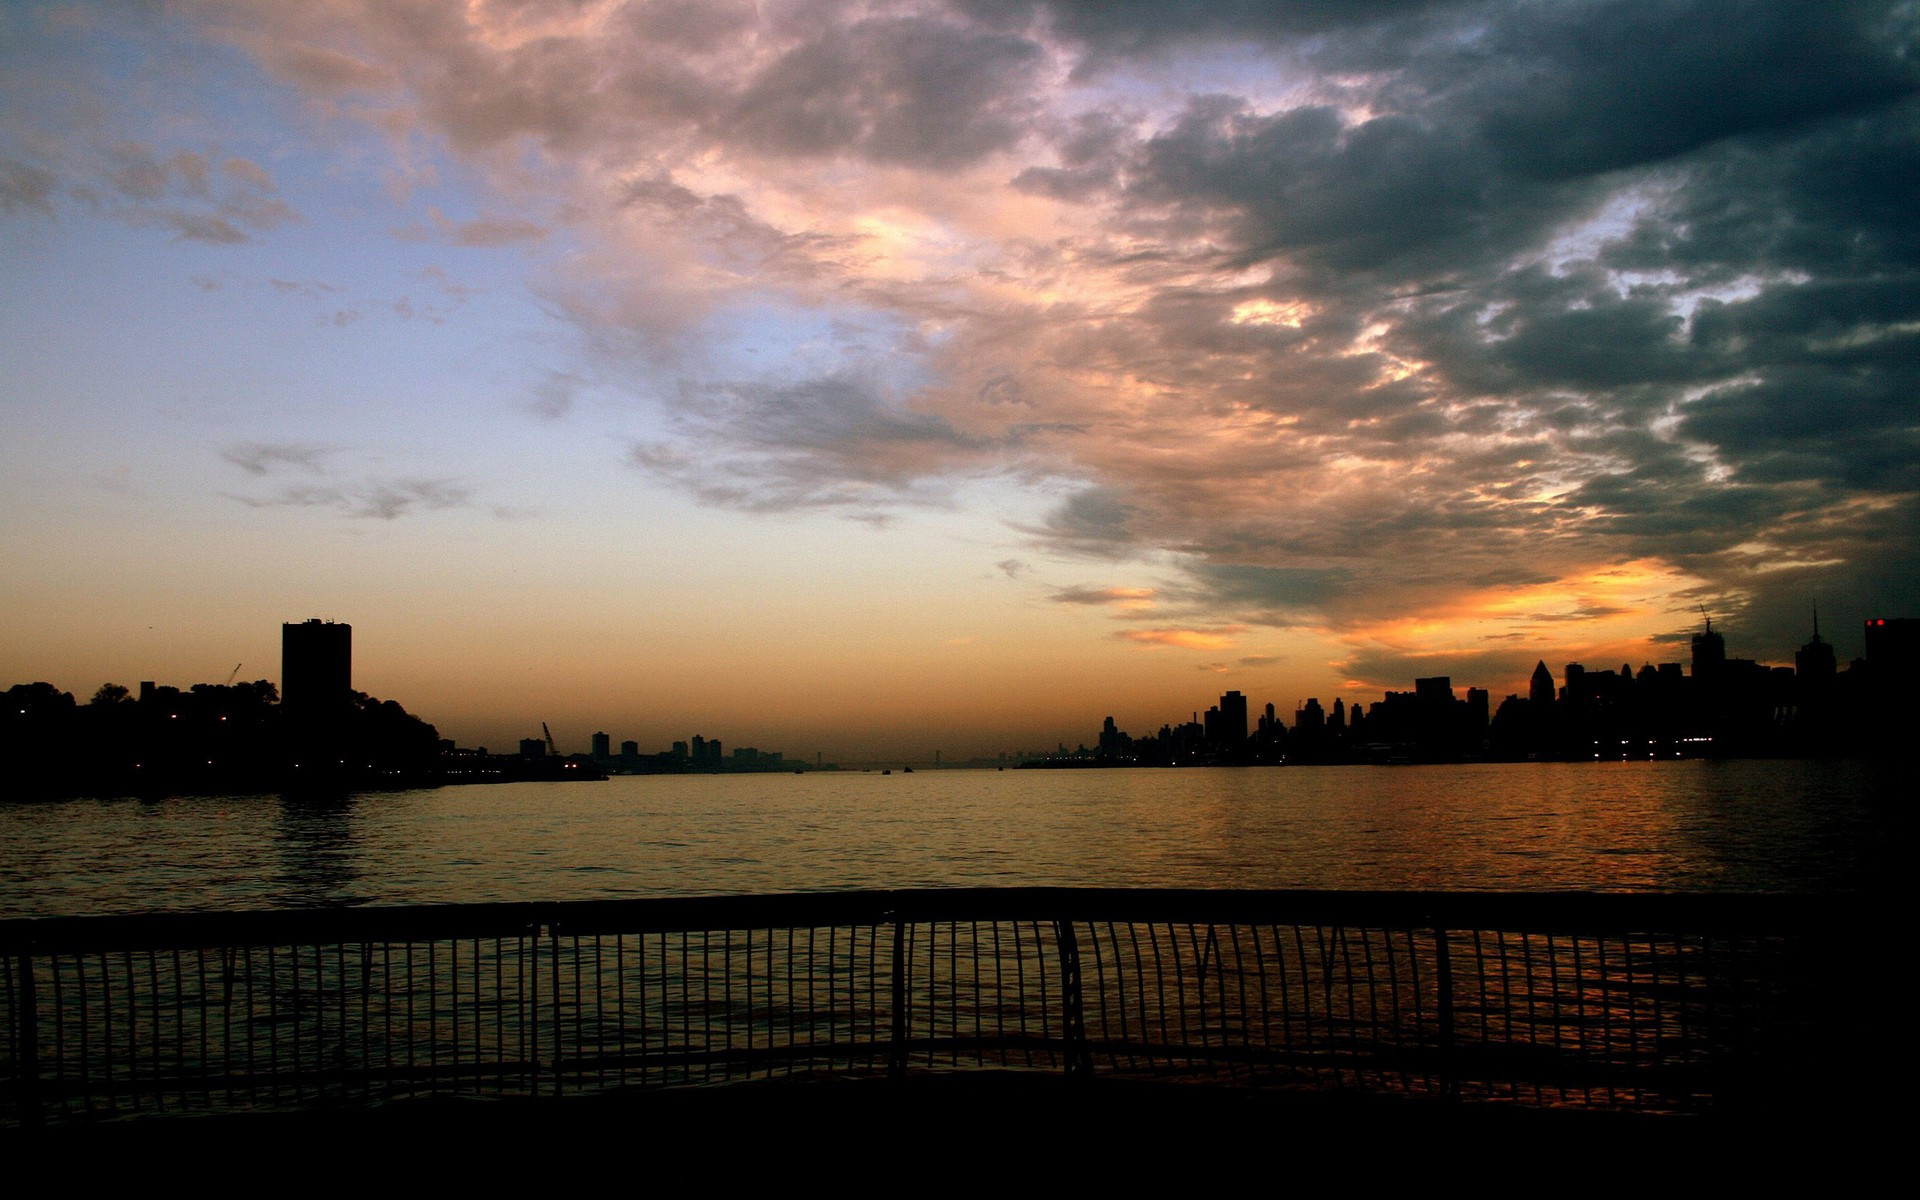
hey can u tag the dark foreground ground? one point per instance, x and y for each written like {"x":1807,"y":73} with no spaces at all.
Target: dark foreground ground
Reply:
{"x":977,"y":1133}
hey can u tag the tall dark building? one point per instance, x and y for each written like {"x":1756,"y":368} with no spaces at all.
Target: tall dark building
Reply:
{"x":1233,"y":719}
{"x":316,"y":668}
{"x":1310,"y":717}
{"x":1540,"y":687}
{"x":1479,"y":711}
{"x":1815,"y":660}
{"x":1709,"y":653}
{"x":1893,"y":648}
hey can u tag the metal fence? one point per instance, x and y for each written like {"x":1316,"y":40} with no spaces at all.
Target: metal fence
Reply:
{"x":1653,"y":1003}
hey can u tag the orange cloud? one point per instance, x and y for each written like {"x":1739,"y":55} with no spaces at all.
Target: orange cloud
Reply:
{"x":1187,"y":639}
{"x":1126,"y":599}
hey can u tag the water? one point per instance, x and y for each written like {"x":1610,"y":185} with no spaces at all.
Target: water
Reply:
{"x":1688,"y":826}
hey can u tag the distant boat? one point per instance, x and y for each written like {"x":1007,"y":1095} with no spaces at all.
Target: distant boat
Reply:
{"x":906,"y":770}
{"x":888,"y":771}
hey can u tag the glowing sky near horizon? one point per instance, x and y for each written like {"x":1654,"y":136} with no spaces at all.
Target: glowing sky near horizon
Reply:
{"x":877,"y":378}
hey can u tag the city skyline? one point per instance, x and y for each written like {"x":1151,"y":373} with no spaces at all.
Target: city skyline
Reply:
{"x":930,"y":375}
{"x":1794,"y":709}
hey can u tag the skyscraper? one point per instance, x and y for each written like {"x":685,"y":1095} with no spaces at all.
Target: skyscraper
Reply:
{"x":1233,"y":720}
{"x":1709,"y":653}
{"x":1540,"y":688}
{"x":1815,"y":661}
{"x":1893,"y":648}
{"x":316,"y":668}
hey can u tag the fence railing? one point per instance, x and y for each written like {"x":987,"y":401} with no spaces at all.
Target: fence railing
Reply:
{"x":1665,"y":1003}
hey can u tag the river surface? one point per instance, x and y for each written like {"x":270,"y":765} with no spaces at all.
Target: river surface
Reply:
{"x":1686,"y":826}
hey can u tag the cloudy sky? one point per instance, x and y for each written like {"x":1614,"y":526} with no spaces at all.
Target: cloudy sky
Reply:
{"x":883,"y":377}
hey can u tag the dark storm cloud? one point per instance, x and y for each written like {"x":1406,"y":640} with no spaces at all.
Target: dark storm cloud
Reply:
{"x":1491,"y":136}
{"x":913,"y":91}
{"x":1269,"y":589}
{"x":1093,"y":522}
{"x":1394,"y":193}
{"x":1590,"y":88}
{"x":1122,"y":28}
{"x":1853,"y":430}
{"x":1726,"y":360}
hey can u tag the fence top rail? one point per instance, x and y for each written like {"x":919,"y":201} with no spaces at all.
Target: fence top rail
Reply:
{"x":1530,"y":912}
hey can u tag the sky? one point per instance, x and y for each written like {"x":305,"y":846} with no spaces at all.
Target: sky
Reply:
{"x":873,"y":379}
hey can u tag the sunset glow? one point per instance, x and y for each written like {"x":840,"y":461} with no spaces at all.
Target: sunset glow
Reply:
{"x":873,"y":377}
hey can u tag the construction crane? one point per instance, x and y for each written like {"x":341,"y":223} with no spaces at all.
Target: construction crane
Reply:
{"x":231,"y":675}
{"x":551,"y":748}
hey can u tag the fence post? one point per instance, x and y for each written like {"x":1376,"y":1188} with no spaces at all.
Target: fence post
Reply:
{"x":559,"y":1034}
{"x":1073,"y":1014}
{"x":530,"y":1020}
{"x":27,"y":1019}
{"x":897,"y":1048}
{"x":1443,"y":961}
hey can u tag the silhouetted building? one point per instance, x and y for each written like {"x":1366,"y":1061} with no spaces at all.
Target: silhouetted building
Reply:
{"x":316,"y":668}
{"x":1815,"y":661}
{"x":602,"y":746}
{"x":1709,"y":652}
{"x":1226,"y":725}
{"x":1893,"y":648}
{"x":1233,"y":718}
{"x":1575,"y":690}
{"x":1540,"y":687}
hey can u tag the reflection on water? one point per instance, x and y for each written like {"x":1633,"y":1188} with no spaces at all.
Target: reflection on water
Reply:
{"x":318,"y":851}
{"x":1694,"y":826}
